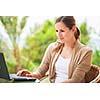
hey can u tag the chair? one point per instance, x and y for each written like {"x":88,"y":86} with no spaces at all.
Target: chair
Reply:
{"x":93,"y":76}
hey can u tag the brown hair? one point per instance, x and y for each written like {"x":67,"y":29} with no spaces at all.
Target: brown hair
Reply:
{"x":69,"y":21}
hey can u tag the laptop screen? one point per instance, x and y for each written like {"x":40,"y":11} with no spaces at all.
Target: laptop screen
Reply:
{"x":3,"y":68}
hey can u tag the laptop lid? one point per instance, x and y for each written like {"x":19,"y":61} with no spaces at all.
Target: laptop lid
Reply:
{"x":5,"y":74}
{"x":3,"y":68}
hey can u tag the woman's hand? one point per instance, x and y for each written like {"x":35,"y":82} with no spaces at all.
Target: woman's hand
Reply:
{"x":23,"y":73}
{"x":28,"y":74}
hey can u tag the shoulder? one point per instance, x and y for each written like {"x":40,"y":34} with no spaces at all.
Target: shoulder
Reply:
{"x":82,"y":48}
{"x":53,"y":45}
{"x":85,"y":49}
{"x":84,"y":52}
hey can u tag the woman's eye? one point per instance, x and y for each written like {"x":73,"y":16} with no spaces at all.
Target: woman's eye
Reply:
{"x":56,"y":30}
{"x":62,"y":30}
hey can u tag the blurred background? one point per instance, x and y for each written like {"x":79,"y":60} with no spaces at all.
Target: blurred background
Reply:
{"x":24,"y":39}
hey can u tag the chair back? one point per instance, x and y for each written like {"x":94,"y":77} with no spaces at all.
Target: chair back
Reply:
{"x":93,"y":76}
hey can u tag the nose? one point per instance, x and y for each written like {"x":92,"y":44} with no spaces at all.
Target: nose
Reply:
{"x":59,"y":34}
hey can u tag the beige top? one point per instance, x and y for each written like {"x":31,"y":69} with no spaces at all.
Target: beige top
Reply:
{"x":80,"y":62}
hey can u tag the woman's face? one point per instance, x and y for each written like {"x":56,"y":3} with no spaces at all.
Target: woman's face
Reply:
{"x":64,"y":34}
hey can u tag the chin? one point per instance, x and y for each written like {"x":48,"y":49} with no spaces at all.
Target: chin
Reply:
{"x":59,"y":40}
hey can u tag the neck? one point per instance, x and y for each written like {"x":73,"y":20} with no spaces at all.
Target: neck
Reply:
{"x":70,"y":44}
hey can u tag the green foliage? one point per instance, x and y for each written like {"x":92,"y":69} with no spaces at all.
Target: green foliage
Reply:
{"x":11,"y":63}
{"x":4,"y":47}
{"x":37,"y":42}
{"x":96,"y":58}
{"x":27,"y":64}
{"x":85,"y":37}
{"x":23,"y":22}
{"x":14,"y":28}
{"x":85,"y":33}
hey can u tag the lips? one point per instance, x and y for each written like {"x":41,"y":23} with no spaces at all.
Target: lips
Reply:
{"x":61,"y":38}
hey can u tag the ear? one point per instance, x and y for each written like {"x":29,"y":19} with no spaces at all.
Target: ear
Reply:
{"x":74,"y":29}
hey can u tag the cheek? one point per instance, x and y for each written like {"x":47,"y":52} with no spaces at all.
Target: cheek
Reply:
{"x":66,"y":34}
{"x":59,"y":34}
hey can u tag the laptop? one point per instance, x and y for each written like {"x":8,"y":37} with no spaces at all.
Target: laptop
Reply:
{"x":4,"y":74}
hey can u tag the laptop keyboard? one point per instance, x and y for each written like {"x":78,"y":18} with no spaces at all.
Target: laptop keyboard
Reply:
{"x":21,"y":78}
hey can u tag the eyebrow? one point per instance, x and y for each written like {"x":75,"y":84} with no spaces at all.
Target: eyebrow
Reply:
{"x":60,"y":30}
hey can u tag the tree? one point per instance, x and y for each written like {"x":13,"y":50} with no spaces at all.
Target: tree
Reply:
{"x":38,"y":41}
{"x":95,"y":58}
{"x":14,"y":29}
{"x":85,"y":33}
{"x":85,"y":37}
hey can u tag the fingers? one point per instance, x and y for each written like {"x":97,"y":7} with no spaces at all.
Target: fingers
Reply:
{"x":29,"y":75}
{"x":23,"y":73}
{"x":19,"y":73}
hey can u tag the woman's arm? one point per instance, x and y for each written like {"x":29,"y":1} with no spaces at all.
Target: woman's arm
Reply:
{"x":42,"y":69}
{"x":44,"y":66}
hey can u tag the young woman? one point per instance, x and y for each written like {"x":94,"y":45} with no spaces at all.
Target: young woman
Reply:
{"x":66,"y":60}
